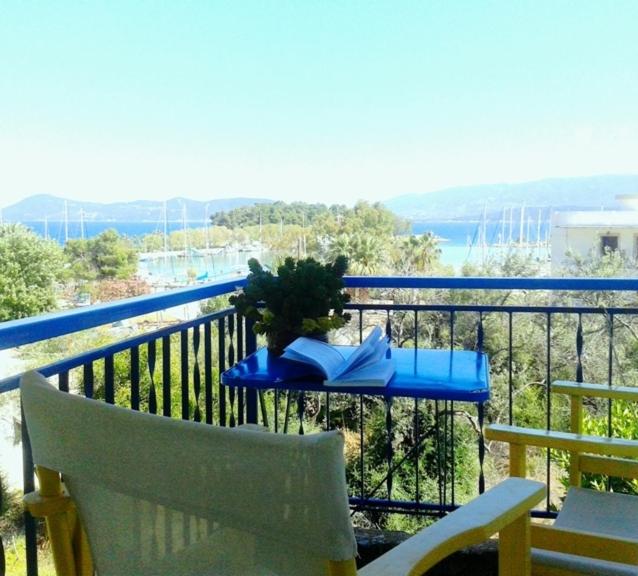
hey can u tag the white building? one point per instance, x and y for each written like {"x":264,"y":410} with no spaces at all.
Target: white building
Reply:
{"x":583,"y":232}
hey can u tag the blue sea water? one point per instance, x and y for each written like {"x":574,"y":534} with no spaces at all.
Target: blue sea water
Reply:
{"x":172,"y":269}
{"x":459,"y":243}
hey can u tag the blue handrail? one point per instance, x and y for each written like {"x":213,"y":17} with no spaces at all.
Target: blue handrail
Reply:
{"x":29,"y":330}
{"x":46,"y":326}
{"x":471,"y":283}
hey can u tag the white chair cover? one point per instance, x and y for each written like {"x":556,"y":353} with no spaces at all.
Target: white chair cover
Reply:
{"x":160,"y":496}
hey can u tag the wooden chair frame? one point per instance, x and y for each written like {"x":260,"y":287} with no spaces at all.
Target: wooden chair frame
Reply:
{"x":592,"y":454}
{"x":504,"y":510}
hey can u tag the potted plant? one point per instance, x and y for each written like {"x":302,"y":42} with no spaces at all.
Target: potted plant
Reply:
{"x":304,"y":298}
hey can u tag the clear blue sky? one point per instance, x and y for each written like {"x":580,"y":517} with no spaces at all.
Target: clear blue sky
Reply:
{"x":312,"y":100}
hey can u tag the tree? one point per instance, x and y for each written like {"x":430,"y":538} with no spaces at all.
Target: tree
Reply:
{"x":416,"y":254}
{"x":30,"y":268}
{"x":279,"y":213}
{"x":106,"y":256}
{"x":365,"y":252}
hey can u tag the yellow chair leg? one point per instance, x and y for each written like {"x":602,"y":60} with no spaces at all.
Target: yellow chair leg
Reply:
{"x":81,"y":550}
{"x":58,"y":526}
{"x":344,"y":568}
{"x":514,"y":541}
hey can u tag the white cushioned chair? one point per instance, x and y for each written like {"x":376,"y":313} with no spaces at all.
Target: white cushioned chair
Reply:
{"x":159,"y":496}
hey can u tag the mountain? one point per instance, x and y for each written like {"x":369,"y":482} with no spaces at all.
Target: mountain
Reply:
{"x":41,"y":206}
{"x":468,"y":202}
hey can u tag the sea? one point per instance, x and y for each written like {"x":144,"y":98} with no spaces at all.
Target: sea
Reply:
{"x":460,"y":242}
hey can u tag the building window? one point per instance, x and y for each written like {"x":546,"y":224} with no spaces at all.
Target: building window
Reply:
{"x":608,"y":243}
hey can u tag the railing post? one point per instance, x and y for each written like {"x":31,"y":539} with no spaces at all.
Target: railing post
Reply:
{"x":30,"y":528}
{"x":2,"y":561}
{"x":251,"y":394}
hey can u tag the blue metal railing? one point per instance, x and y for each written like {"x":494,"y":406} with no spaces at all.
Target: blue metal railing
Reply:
{"x":47,"y":326}
{"x":204,"y":347}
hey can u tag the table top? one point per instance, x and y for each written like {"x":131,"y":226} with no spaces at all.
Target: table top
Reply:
{"x":420,"y":373}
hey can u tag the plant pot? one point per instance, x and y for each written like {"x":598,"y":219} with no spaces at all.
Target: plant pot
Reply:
{"x":277,"y":341}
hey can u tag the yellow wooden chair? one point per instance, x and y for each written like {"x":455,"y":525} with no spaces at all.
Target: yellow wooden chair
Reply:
{"x":595,"y":532}
{"x":160,"y":496}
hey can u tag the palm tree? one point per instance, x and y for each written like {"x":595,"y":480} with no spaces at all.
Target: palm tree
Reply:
{"x":418,"y":253}
{"x":365,"y":252}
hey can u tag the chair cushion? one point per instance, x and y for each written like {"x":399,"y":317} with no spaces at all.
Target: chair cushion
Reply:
{"x":605,"y":513}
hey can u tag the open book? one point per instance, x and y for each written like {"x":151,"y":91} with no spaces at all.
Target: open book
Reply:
{"x":369,"y":365}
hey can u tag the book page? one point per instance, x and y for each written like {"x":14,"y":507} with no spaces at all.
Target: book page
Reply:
{"x":316,"y":353}
{"x":377,"y":374}
{"x":361,"y":353}
{"x":376,"y":353}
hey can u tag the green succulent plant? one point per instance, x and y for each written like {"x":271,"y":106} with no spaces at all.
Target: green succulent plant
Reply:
{"x":304,"y":298}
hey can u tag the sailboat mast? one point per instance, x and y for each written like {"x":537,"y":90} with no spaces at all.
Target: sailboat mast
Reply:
{"x":484,"y":232}
{"x":502,"y":238}
{"x":538,"y":227}
{"x":206,"y":226}
{"x":260,"y":230}
{"x":521,"y":237}
{"x":184,"y":228}
{"x":548,"y":232}
{"x":165,"y":228}
{"x":165,"y":234}
{"x":511,"y":223}
{"x":66,"y":221}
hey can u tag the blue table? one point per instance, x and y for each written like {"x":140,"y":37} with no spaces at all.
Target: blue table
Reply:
{"x":447,"y":375}
{"x":433,"y":374}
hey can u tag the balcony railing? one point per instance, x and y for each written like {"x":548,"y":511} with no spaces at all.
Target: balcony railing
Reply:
{"x":403,"y":454}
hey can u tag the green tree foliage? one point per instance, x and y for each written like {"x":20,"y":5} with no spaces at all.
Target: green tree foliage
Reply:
{"x":280,"y":213}
{"x":412,"y":255}
{"x":30,"y":268}
{"x":11,"y":509}
{"x":211,"y":237}
{"x":366,"y":252}
{"x":624,"y":424}
{"x":364,"y":234}
{"x":106,"y":256}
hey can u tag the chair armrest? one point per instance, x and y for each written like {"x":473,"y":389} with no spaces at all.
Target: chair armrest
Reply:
{"x":595,"y":390}
{"x":581,"y":543}
{"x":43,"y":506}
{"x":473,"y":523}
{"x":562,"y":440}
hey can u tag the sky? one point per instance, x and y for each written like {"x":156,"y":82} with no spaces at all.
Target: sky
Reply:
{"x":313,"y":100}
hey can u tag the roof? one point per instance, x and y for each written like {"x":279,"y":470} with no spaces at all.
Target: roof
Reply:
{"x":596,"y":219}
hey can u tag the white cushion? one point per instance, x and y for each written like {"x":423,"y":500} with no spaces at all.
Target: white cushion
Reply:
{"x":604,"y":513}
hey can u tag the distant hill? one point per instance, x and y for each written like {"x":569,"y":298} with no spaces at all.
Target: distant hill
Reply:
{"x":39,"y":207}
{"x":468,"y":202}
